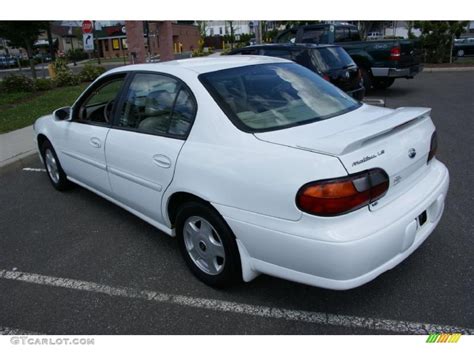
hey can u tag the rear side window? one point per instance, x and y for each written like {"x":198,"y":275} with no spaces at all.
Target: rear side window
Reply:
{"x":315,"y":36}
{"x":157,"y":104}
{"x":266,"y":97}
{"x":341,"y":34}
{"x":330,"y":58}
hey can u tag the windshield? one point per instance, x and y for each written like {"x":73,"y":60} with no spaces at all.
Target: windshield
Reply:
{"x":266,"y":97}
{"x":330,"y":58}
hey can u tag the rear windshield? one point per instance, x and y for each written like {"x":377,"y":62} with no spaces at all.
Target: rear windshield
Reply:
{"x":267,"y":97}
{"x":331,"y":58}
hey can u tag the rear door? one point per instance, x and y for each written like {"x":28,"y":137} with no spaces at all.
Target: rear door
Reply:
{"x":154,"y":118}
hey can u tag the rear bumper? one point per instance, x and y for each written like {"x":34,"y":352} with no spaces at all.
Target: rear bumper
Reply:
{"x":374,"y":242}
{"x":357,"y":94}
{"x":409,"y":72}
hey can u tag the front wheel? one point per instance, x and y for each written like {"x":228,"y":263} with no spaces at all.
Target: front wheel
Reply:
{"x":208,"y":245}
{"x":383,"y":83}
{"x":55,"y":172}
{"x":366,"y":79}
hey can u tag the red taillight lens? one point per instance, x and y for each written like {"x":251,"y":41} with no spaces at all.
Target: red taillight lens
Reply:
{"x":326,"y":77}
{"x":337,"y":196}
{"x":433,"y":146}
{"x":395,"y":53}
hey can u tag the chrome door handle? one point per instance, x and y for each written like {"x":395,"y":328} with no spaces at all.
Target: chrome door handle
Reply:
{"x":162,"y":161}
{"x":95,"y":142}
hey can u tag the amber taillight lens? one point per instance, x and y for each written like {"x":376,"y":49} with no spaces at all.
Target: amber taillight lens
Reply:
{"x":342,"y":195}
{"x":433,"y":146}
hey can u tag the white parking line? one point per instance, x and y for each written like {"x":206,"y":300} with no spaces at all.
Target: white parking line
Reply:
{"x":34,"y":169}
{"x":15,"y":331}
{"x":239,"y":308}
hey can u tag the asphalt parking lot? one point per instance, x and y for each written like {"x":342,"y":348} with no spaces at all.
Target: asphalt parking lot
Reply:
{"x":105,"y":271}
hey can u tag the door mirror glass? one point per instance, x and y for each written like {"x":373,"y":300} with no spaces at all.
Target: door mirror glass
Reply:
{"x":62,"y":113}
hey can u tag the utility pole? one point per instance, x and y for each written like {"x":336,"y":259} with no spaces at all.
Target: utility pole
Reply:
{"x":96,"y":43}
{"x":258,"y":32}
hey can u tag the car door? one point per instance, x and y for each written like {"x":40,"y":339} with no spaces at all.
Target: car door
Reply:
{"x":82,"y":141}
{"x":154,"y":119}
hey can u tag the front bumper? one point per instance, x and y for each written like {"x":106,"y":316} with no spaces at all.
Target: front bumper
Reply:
{"x":408,"y":72}
{"x":362,"y":248}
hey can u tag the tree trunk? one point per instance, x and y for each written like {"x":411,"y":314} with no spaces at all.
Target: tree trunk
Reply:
{"x":29,"y":50}
{"x":50,"y":43}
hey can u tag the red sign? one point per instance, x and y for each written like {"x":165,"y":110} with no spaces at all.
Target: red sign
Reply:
{"x":87,"y":26}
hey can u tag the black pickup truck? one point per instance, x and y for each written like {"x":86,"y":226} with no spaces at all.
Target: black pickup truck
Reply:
{"x":381,"y":62}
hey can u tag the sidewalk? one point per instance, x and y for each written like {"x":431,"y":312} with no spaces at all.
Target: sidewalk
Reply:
{"x":16,"y":145}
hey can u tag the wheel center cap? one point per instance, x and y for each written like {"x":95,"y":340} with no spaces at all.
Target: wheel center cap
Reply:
{"x":202,"y":246}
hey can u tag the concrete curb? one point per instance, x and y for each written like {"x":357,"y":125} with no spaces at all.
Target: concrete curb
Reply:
{"x":18,"y":162}
{"x":447,"y":69}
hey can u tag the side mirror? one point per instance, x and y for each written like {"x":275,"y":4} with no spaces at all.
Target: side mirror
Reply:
{"x":62,"y":113}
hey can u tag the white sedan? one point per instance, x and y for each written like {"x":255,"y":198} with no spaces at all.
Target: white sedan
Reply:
{"x":256,"y":165}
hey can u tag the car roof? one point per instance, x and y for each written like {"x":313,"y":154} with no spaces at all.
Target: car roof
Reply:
{"x":202,"y":65}
{"x":288,"y":46}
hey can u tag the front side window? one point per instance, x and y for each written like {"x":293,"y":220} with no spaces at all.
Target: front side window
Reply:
{"x":266,"y":97}
{"x":157,"y":104}
{"x":97,"y":107}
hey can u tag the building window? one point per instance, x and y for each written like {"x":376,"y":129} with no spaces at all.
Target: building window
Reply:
{"x":115,"y":44}
{"x":124,"y":43}
{"x":220,"y":30}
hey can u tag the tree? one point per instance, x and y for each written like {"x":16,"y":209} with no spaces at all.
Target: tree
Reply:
{"x":23,"y":34}
{"x":437,"y":38}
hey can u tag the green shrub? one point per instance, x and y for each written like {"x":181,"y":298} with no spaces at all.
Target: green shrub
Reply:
{"x":43,"y":84}
{"x":17,"y":83}
{"x":91,"y":72}
{"x":76,"y":54}
{"x":66,"y":78}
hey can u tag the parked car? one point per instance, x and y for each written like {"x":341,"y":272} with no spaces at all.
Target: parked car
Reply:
{"x":7,"y":61}
{"x":329,"y":61}
{"x":374,"y":36}
{"x":463,"y":46}
{"x":256,"y":164}
{"x":381,"y":62}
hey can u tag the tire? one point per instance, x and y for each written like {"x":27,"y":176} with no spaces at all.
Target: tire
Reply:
{"x":460,"y":53}
{"x":366,"y":79}
{"x":55,"y":172}
{"x":212,"y":257}
{"x":383,"y":83}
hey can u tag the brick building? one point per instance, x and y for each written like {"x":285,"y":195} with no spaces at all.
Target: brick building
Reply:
{"x":139,"y":39}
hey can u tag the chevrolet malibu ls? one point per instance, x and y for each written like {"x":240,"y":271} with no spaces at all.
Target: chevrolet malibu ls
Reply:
{"x":256,"y":165}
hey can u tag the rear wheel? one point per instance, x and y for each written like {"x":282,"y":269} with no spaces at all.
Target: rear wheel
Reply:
{"x":55,"y":172}
{"x":383,"y":83}
{"x":460,"y":53}
{"x":208,"y":245}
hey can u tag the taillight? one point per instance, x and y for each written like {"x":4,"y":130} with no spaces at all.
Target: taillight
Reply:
{"x":395,"y":53}
{"x":326,"y":77}
{"x":433,"y":146}
{"x":341,"y":195}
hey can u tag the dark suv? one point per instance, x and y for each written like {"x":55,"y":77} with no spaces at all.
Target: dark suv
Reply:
{"x":330,"y":61}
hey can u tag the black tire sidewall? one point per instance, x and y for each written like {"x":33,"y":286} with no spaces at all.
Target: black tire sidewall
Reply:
{"x":231,"y":274}
{"x":63,"y":183}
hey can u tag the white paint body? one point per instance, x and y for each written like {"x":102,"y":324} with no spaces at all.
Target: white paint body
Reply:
{"x":252,"y":180}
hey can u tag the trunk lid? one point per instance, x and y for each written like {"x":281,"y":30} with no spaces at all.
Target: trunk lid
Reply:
{"x":397,"y":141}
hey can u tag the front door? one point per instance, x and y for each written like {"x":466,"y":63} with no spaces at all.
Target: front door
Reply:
{"x":82,"y":144}
{"x":151,"y":125}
